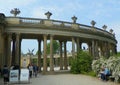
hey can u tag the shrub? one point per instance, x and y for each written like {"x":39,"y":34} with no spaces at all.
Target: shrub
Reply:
{"x":82,"y":63}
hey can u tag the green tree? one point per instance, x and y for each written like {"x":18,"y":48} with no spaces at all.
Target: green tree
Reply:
{"x":55,"y":47}
{"x":82,"y":63}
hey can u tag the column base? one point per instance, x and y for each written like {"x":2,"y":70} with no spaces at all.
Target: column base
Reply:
{"x":65,"y":68}
{"x":48,"y":73}
{"x":51,"y":72}
{"x":44,"y":72}
{"x":61,"y":68}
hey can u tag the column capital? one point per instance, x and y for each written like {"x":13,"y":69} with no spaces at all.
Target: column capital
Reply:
{"x":65,"y":41}
{"x":45,"y":35}
{"x":39,"y":40}
{"x":61,"y":41}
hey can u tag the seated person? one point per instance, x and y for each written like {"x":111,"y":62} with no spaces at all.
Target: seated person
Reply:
{"x":105,"y":72}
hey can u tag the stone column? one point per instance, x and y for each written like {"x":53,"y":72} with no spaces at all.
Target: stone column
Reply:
{"x":17,"y":55}
{"x":65,"y":57}
{"x":13,"y":49}
{"x":51,"y":54}
{"x":1,"y":50}
{"x":106,"y":50}
{"x":90,"y":48}
{"x":6,"y":51}
{"x":39,"y":54}
{"x":73,"y":47}
{"x":9,"y":50}
{"x":20,"y":52}
{"x":61,"y":58}
{"x":93,"y":48}
{"x":78,"y":45}
{"x":102,"y":48}
{"x":45,"y":54}
{"x":96,"y":50}
{"x":114,"y":51}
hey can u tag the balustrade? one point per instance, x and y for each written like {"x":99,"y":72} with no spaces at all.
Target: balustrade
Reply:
{"x":21,"y":20}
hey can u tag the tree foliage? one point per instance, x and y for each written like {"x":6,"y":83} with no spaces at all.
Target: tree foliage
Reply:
{"x":82,"y":63}
{"x":55,"y":47}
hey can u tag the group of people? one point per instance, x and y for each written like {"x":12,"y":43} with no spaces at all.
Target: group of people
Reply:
{"x":33,"y":70}
{"x":104,"y":73}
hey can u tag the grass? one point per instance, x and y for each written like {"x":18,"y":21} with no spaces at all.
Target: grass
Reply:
{"x":91,"y":73}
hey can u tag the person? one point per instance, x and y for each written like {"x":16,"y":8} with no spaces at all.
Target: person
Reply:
{"x":105,"y":72}
{"x":35,"y":70}
{"x":30,"y":68}
{"x":5,"y":74}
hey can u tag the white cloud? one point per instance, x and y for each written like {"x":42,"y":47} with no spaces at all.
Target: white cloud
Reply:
{"x":38,"y":12}
{"x":6,"y":6}
{"x":18,"y":3}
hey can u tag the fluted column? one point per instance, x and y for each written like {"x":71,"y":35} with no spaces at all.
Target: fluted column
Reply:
{"x":90,"y":48}
{"x":73,"y":47}
{"x":13,"y":49}
{"x":106,"y":50}
{"x":20,"y":51}
{"x":17,"y":55}
{"x":39,"y":54}
{"x":102,"y":48}
{"x":61,"y":57}
{"x":9,"y":50}
{"x":96,"y":50}
{"x":93,"y":48}
{"x":51,"y":53}
{"x":45,"y":54}
{"x":114,"y":51}
{"x":65,"y":56}
{"x":78,"y":45}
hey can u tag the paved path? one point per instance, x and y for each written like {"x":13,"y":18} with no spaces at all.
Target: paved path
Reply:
{"x":65,"y":79}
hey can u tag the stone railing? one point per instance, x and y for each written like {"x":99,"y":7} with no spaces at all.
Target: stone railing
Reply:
{"x":36,"y":21}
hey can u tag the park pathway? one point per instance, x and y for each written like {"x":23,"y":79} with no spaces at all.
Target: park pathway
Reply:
{"x":65,"y":79}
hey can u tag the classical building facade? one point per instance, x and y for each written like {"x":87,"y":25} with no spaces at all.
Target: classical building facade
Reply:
{"x":14,"y":29}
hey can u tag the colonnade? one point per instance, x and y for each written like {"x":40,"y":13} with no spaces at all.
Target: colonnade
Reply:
{"x":95,"y":48}
{"x":13,"y":30}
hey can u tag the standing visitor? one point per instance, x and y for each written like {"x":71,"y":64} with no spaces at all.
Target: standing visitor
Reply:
{"x":30,"y":67}
{"x":5,"y":74}
{"x":35,"y":70}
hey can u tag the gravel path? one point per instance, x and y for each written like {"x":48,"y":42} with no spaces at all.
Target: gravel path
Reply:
{"x":65,"y":79}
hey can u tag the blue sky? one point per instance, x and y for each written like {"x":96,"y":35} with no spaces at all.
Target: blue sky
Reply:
{"x":102,"y":11}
